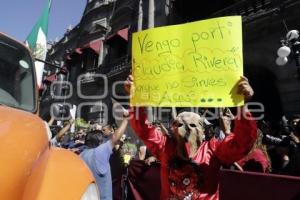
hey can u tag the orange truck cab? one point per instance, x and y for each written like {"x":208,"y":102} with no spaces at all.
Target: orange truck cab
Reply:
{"x":30,"y":168}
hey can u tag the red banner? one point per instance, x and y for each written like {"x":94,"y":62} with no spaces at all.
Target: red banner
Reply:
{"x":260,"y":186}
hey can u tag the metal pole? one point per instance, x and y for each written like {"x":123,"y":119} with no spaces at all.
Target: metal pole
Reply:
{"x":151,"y":22}
{"x":151,"y":14}
{"x":140,"y":17}
{"x":50,"y":64}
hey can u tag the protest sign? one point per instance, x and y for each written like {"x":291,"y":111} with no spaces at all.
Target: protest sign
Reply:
{"x":188,"y":65}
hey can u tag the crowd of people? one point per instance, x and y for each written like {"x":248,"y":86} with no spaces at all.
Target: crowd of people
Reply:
{"x":190,"y":152}
{"x":107,"y":150}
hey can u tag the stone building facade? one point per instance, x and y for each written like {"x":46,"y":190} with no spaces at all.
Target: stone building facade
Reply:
{"x":101,"y":44}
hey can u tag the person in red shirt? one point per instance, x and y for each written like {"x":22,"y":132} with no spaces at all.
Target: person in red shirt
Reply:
{"x":258,"y":159}
{"x":189,"y":165}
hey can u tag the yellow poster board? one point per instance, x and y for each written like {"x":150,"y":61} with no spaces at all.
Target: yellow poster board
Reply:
{"x":191,"y":65}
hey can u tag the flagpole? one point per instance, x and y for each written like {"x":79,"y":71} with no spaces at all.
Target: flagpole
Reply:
{"x":48,"y":63}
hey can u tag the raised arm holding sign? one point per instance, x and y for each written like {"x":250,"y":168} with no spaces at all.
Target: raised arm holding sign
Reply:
{"x":187,"y":156}
{"x":196,"y":64}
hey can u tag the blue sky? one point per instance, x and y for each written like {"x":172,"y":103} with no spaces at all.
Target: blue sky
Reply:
{"x":17,"y":17}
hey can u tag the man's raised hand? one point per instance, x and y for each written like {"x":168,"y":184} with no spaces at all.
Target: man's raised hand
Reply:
{"x":128,"y":83}
{"x":244,"y":88}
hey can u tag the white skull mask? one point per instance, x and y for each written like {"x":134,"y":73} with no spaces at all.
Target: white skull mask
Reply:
{"x":189,"y":126}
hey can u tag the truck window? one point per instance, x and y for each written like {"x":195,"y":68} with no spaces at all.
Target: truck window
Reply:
{"x":17,"y":84}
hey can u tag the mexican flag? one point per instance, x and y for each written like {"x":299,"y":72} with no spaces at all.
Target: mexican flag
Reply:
{"x":37,"y":41}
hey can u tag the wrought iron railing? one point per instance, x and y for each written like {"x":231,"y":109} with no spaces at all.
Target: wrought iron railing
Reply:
{"x":118,"y":66}
{"x":112,"y":68}
{"x":252,"y":9}
{"x":245,"y":8}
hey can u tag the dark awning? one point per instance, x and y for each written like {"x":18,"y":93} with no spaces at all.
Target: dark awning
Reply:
{"x":95,"y":45}
{"x":123,"y":33}
{"x":78,"y":50}
{"x":50,"y":78}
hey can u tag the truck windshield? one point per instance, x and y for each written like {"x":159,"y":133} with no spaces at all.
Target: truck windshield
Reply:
{"x":17,"y":85}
